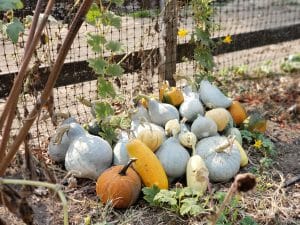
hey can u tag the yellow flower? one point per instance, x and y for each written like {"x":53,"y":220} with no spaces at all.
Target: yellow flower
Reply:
{"x":227,"y":39}
{"x":182,"y":32}
{"x":257,"y":144}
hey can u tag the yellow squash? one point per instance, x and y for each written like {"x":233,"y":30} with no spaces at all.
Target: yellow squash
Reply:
{"x":147,"y":164}
{"x":244,"y":157}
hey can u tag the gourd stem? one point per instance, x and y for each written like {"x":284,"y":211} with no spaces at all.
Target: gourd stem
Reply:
{"x":124,"y":169}
{"x":59,"y":133}
{"x":221,"y":148}
{"x":193,"y":149}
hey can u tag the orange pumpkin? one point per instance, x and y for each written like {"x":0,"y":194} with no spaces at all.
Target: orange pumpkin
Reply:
{"x":237,"y":112}
{"x":119,"y":184}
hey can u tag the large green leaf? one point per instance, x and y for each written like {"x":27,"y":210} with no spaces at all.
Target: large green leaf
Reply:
{"x":98,"y":65}
{"x":190,"y":206}
{"x":10,"y":4}
{"x":114,"y":70}
{"x":13,"y":30}
{"x":150,"y":193}
{"x":166,"y":196}
{"x":105,"y":88}
{"x":110,"y":19}
{"x":202,"y":36}
{"x":117,"y":2}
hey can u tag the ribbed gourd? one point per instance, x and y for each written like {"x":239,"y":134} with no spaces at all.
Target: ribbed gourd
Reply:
{"x":152,"y":138}
{"x":88,"y":155}
{"x":161,"y":113}
{"x":139,"y":126}
{"x":191,"y":106}
{"x":221,"y":156}
{"x":172,"y":127}
{"x":170,"y":95}
{"x":147,"y":164}
{"x":212,"y":97}
{"x":186,"y":138}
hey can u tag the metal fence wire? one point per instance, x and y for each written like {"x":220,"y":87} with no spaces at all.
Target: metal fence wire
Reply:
{"x":262,"y":32}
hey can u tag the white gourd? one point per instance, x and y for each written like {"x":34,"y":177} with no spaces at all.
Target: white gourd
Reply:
{"x":191,"y":105}
{"x":59,"y":142}
{"x":120,"y":155}
{"x":186,"y":137}
{"x":204,"y":127}
{"x":161,"y":113}
{"x":221,"y":156}
{"x":172,"y":127}
{"x":88,"y":155}
{"x":173,"y":157}
{"x":212,"y":97}
{"x":138,"y":126}
{"x":140,"y":112}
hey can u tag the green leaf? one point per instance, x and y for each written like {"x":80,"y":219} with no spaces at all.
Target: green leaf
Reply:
{"x":204,"y":58}
{"x":117,"y":2}
{"x":150,"y":193}
{"x":203,"y":36}
{"x":110,"y":19}
{"x":247,"y":220}
{"x":247,"y":135}
{"x":105,"y":88}
{"x":98,"y":65}
{"x":96,"y":42}
{"x":220,"y":196}
{"x":113,"y":46}
{"x":108,"y":133}
{"x":13,"y":30}
{"x":114,"y":70}
{"x":166,"y":196}
{"x":93,"y":15}
{"x":10,"y":4}
{"x":190,"y":206}
{"x":103,"y":110}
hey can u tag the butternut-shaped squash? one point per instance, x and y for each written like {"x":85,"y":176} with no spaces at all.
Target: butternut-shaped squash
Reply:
{"x":147,"y":164}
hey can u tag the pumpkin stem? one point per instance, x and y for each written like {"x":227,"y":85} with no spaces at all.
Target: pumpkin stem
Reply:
{"x":124,"y":169}
{"x":230,"y":140}
{"x":59,"y":134}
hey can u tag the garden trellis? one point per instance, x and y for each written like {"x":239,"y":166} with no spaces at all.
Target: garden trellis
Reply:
{"x":261,"y":31}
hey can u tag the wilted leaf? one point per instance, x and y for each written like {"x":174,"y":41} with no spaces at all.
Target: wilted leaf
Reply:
{"x":190,"y":206}
{"x":13,"y":30}
{"x":166,"y":196}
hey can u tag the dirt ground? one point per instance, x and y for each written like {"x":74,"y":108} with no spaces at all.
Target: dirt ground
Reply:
{"x":270,"y":203}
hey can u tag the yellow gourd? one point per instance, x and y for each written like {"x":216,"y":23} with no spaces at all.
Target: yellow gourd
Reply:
{"x":152,"y":138}
{"x":147,"y":164}
{"x":244,"y":157}
{"x":255,"y":123}
{"x":171,"y":95}
{"x":220,"y":116}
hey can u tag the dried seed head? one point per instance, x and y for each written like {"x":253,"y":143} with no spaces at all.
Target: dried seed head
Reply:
{"x":245,"y":182}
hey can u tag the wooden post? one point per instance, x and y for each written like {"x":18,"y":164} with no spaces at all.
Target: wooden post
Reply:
{"x":167,"y":67}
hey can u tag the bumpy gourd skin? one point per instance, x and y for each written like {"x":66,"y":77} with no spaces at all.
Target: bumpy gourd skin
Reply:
{"x":88,"y":155}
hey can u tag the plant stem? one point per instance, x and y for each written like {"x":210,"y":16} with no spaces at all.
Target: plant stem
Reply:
{"x":55,"y":71}
{"x":54,"y":187}
{"x":12,"y":101}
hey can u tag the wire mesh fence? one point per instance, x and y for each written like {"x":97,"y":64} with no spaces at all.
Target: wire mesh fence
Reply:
{"x":263,"y":33}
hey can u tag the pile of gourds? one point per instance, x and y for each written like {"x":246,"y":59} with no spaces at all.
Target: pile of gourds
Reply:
{"x":184,"y":133}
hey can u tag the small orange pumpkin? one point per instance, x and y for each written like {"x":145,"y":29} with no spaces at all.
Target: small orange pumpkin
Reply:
{"x":237,"y":112}
{"x":119,"y":184}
